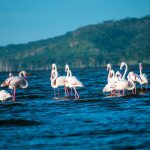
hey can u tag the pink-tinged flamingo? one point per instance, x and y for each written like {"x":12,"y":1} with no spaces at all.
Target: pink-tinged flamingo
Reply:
{"x":69,"y":74}
{"x":13,"y":82}
{"x":111,"y":79}
{"x":111,"y":74}
{"x":133,"y":77}
{"x":124,"y":84}
{"x":119,"y":85}
{"x":4,"y":95}
{"x":143,"y":77}
{"x":72,"y":82}
{"x":55,"y":80}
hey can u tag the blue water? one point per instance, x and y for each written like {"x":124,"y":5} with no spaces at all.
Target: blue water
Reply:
{"x":95,"y":121}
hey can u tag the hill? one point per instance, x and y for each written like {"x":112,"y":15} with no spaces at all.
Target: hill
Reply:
{"x":89,"y":46}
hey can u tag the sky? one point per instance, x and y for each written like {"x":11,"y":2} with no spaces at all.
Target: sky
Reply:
{"x":23,"y":21}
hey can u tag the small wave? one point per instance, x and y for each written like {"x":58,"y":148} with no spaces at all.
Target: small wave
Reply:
{"x":11,"y":104}
{"x":18,"y":122}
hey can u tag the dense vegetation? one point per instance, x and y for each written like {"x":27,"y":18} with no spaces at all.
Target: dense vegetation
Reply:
{"x":90,"y":46}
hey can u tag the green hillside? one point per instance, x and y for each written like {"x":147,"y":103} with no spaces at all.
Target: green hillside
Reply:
{"x":89,"y":46}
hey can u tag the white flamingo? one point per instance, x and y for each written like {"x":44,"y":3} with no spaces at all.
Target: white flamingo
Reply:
{"x":118,"y":75}
{"x":122,"y":83}
{"x":131,"y":76}
{"x":72,"y":81}
{"x":55,"y":80}
{"x":111,"y":74}
{"x":69,"y":74}
{"x":4,"y":95}
{"x":126,"y":69}
{"x":111,"y":79}
{"x":13,"y":82}
{"x":119,"y":85}
{"x":143,"y":77}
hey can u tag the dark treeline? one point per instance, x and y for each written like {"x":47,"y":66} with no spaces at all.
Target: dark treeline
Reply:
{"x":89,"y":46}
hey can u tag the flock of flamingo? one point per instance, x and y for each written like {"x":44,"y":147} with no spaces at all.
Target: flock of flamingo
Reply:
{"x":116,"y":82}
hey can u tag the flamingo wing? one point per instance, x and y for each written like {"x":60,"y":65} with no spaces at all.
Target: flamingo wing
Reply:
{"x":4,"y":95}
{"x":60,"y":81}
{"x":73,"y":82}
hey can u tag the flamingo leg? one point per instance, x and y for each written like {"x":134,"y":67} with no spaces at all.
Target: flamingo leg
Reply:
{"x":123,"y":92}
{"x":111,"y":93}
{"x":76,"y":93}
{"x":14,"y":95}
{"x":115,"y":92}
{"x":65,"y":91}
{"x":133,"y":91}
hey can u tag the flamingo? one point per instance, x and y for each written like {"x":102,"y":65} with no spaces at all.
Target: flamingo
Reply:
{"x":109,"y":87}
{"x":55,"y":80}
{"x":72,"y":81}
{"x":143,"y":77}
{"x":122,"y":83}
{"x":13,"y":82}
{"x":133,"y":77}
{"x":119,"y":85}
{"x":111,"y":74}
{"x":4,"y":95}
{"x":69,"y":74}
{"x":126,"y":69}
{"x":112,"y":77}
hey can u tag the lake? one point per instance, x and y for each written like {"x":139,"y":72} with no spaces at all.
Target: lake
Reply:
{"x":95,"y":121}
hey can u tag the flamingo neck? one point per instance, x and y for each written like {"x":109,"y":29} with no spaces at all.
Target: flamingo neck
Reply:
{"x":125,"y":72}
{"x":22,"y":75}
{"x":113,"y":73}
{"x":140,"y":68}
{"x":26,"y":84}
{"x":66,"y":68}
{"x":109,"y":73}
{"x":54,"y":76}
{"x":69,"y":73}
